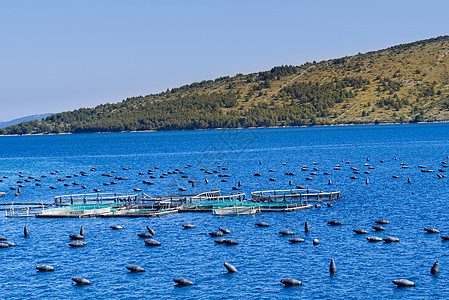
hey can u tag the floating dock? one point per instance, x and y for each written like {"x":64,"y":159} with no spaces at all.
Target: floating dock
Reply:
{"x":123,"y":205}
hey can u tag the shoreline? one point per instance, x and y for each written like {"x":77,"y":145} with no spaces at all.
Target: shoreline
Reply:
{"x":239,"y":128}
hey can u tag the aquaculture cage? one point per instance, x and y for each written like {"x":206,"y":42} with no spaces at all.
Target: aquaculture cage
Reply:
{"x":77,"y":210}
{"x":95,"y":198}
{"x":204,"y":203}
{"x":294,"y":195}
{"x":173,"y":200}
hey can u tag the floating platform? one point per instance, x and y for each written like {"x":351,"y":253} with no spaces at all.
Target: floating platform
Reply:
{"x":284,"y":207}
{"x":122,"y":205}
{"x":138,"y":213}
{"x":294,"y":195}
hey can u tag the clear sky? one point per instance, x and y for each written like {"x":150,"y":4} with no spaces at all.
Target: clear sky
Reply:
{"x":65,"y":54}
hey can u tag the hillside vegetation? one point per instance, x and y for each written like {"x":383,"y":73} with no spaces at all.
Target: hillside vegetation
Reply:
{"x":401,"y":84}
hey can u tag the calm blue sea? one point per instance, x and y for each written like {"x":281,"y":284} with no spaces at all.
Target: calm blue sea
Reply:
{"x":263,"y":257}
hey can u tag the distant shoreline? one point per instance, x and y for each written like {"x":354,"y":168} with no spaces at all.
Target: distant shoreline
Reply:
{"x":239,"y":128}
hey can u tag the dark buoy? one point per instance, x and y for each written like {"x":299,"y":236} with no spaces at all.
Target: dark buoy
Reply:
{"x":382,"y":221}
{"x":316,"y":241}
{"x":334,"y":223}
{"x":45,"y":268}
{"x":216,"y":233}
{"x":76,"y":236}
{"x":360,"y":231}
{"x":116,"y":227}
{"x":230,"y":268}
{"x":230,"y":242}
{"x":26,"y":233}
{"x":330,"y":205}
{"x":435,"y":268}
{"x":391,"y":239}
{"x":367,"y":181}
{"x":188,"y":226}
{"x":296,"y":240}
{"x":332,"y":267}
{"x":151,"y":242}
{"x":82,"y":231}
{"x":81,"y":281}
{"x":378,"y":228}
{"x":239,"y":184}
{"x":290,"y":282}
{"x":374,"y":239}
{"x":307,"y":227}
{"x":150,"y":230}
{"x":408,"y":180}
{"x":431,"y":230}
{"x":135,"y":269}
{"x":220,"y":241}
{"x":207,"y":181}
{"x":224,"y":230}
{"x":4,"y":245}
{"x":286,"y":232}
{"x":262,"y":224}
{"x":77,"y":244}
{"x":182,"y":281}
{"x":144,"y":235}
{"x":290,"y":183}
{"x":317,"y":205}
{"x":260,"y":162}
{"x":330,"y":182}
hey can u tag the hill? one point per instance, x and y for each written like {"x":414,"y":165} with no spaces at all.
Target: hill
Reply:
{"x":23,"y":119}
{"x":404,"y":83}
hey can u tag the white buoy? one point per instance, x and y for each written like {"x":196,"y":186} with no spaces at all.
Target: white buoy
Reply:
{"x":403,"y":282}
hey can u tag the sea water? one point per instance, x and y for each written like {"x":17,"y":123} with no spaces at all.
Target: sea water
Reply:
{"x":263,"y":257}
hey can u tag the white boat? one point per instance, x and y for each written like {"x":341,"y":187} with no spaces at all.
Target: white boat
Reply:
{"x":235,"y":210}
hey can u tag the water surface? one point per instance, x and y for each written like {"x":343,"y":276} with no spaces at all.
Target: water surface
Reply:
{"x":263,"y":257}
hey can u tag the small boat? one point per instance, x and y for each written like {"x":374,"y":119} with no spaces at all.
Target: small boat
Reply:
{"x":235,"y":208}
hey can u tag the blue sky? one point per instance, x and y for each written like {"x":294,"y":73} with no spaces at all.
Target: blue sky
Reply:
{"x":62,"y":55}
